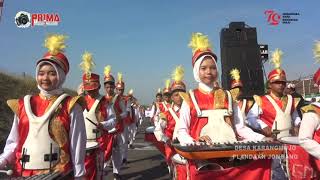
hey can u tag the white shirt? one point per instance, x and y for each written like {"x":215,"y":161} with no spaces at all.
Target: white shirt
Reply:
{"x":155,"y":111}
{"x":309,"y":124}
{"x":161,"y":125}
{"x":77,"y":138}
{"x":257,"y":123}
{"x":183,"y":128}
{"x":110,"y":120}
{"x":124,"y":109}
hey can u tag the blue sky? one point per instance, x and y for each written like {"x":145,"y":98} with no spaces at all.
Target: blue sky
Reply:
{"x":146,"y":39}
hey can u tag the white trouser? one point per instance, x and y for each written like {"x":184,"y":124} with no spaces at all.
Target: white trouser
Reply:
{"x":125,"y":137}
{"x":132,"y":128}
{"x":117,"y":154}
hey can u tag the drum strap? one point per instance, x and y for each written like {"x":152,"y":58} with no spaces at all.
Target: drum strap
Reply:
{"x":194,"y":101}
{"x":277,"y":108}
{"x":165,"y":105}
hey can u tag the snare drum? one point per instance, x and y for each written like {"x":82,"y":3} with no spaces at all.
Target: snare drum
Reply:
{"x":290,"y":140}
{"x":149,"y":136}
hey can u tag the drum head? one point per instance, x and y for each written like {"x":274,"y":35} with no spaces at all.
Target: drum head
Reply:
{"x":289,"y":140}
{"x":150,"y":129}
{"x":91,"y":145}
{"x":113,"y":130}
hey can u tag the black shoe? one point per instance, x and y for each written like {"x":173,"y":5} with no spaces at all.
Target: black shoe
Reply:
{"x":124,"y":161}
{"x":131,"y":146}
{"x":116,"y":176}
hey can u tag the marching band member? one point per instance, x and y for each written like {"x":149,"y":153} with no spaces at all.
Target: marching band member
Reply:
{"x":134,"y":117}
{"x":236,"y":92}
{"x":208,"y":114}
{"x":166,"y":94}
{"x":155,"y":107}
{"x":163,"y":108}
{"x":99,"y":118}
{"x":275,"y":115}
{"x":120,"y":110}
{"x":268,"y":106}
{"x":309,"y":134}
{"x":120,"y":85}
{"x":51,"y":120}
{"x":169,"y":120}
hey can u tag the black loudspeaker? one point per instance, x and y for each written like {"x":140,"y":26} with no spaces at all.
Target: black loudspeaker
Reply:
{"x":239,"y":49}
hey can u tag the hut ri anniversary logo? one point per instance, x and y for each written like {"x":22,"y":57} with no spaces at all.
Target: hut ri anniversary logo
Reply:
{"x":274,"y":18}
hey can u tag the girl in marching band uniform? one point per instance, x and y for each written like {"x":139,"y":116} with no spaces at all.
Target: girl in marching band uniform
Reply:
{"x":48,"y":131}
{"x":208,"y":114}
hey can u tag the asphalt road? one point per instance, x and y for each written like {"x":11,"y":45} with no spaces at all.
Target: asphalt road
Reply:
{"x":145,"y":162}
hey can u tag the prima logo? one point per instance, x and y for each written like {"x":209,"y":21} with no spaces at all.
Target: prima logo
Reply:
{"x":24,"y":19}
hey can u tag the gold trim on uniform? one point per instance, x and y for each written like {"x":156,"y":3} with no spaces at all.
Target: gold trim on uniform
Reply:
{"x":185,"y":96}
{"x":13,"y":105}
{"x":219,"y":99}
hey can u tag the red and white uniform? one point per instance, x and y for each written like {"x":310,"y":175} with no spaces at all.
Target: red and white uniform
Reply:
{"x":161,"y":110}
{"x":190,"y":128}
{"x":132,"y":128}
{"x":67,"y":129}
{"x":309,"y":134}
{"x":117,"y":150}
{"x":263,"y":115}
{"x":165,"y":128}
{"x":104,"y":114}
{"x":265,"y":112}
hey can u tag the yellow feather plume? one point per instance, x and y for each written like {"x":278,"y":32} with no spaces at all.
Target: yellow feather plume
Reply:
{"x":277,"y":58}
{"x":316,"y":51}
{"x":159,"y":90}
{"x":87,"y":63}
{"x":178,"y":74}
{"x":107,"y":70}
{"x":199,"y":41}
{"x":167,"y":83}
{"x":55,"y":43}
{"x":235,"y":74}
{"x":119,"y":77}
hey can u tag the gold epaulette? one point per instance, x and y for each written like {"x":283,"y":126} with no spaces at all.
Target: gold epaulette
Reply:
{"x":219,"y":99}
{"x":309,"y":108}
{"x":258,"y":100}
{"x":76,"y":99}
{"x":296,"y":101}
{"x":185,"y":97}
{"x":13,"y":105}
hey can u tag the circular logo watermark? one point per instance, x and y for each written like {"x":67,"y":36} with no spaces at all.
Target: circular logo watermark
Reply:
{"x":23,"y":19}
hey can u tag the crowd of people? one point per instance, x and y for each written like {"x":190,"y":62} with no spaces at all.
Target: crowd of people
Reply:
{"x":209,"y":115}
{"x":76,"y":136}
{"x":82,"y":135}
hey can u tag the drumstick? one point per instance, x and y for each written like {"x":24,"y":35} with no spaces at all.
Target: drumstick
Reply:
{"x":8,"y":172}
{"x":91,"y":121}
